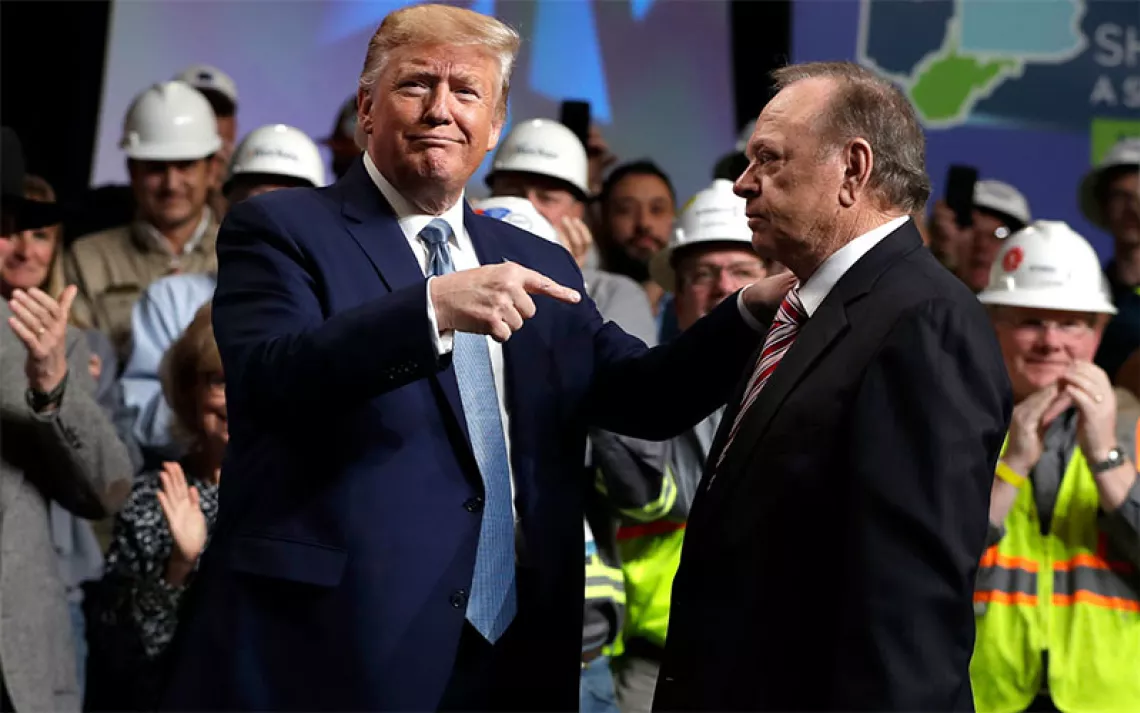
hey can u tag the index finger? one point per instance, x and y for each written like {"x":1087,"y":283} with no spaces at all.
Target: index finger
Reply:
{"x":536,"y":283}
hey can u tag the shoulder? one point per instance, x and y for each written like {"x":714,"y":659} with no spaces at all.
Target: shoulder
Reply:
{"x":280,"y":208}
{"x":142,"y":503}
{"x":95,"y":243}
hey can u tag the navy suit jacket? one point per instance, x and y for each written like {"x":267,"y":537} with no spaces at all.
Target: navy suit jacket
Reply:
{"x":337,"y":576}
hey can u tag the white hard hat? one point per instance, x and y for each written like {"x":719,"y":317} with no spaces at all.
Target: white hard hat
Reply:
{"x":1047,"y":265}
{"x":520,"y":213}
{"x":1001,"y":198}
{"x":170,"y":121}
{"x":205,"y":78}
{"x":277,"y":150}
{"x":714,"y":215}
{"x":547,"y":148}
{"x":1125,"y":152}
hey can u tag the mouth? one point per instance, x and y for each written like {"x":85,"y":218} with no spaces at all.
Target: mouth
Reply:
{"x":429,"y":140}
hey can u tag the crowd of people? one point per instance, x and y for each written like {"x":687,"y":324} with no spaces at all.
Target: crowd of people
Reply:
{"x":116,"y":424}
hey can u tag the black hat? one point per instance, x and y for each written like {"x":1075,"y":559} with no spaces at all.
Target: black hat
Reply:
{"x":28,"y":214}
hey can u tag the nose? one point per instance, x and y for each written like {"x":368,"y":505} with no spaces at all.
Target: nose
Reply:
{"x":20,"y":243}
{"x":744,"y":185}
{"x":437,"y":112}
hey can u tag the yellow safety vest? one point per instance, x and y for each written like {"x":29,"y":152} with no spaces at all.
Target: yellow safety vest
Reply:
{"x":1064,"y":594}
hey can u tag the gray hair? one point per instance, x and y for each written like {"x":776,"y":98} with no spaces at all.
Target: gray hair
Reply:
{"x":869,"y":107}
{"x":440,"y":24}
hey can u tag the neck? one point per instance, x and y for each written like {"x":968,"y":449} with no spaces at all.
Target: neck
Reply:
{"x":427,"y":196}
{"x":1126,"y":264}
{"x":807,"y":256}
{"x":207,"y":463}
{"x":177,"y":236}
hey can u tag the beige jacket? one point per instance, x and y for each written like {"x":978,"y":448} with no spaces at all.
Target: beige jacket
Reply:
{"x":112,"y":268}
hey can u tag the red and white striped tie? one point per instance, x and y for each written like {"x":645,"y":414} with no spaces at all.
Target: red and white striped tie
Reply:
{"x":785,"y":327}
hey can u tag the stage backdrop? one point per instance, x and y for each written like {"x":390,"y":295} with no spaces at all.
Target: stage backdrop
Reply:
{"x":1029,"y":91}
{"x":658,"y":74}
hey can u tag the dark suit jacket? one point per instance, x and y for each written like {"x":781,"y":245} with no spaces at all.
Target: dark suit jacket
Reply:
{"x":830,"y":565}
{"x":337,"y":577}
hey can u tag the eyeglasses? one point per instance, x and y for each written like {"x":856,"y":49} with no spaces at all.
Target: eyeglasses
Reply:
{"x":705,"y":275}
{"x":1070,"y":328}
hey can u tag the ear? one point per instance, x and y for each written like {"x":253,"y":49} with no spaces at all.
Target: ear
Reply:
{"x":364,"y":109}
{"x":496,"y":131}
{"x":858,"y":162}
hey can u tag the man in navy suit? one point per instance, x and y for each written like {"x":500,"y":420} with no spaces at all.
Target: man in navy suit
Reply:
{"x":409,"y":388}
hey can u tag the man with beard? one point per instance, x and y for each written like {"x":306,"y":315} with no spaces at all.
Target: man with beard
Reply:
{"x":170,"y":137}
{"x":638,"y":206}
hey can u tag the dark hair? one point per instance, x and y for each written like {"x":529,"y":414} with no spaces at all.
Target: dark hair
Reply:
{"x":644,"y":167}
{"x":869,"y":107}
{"x":1107,"y":177}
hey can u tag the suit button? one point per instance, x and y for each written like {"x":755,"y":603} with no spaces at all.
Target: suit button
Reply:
{"x":474,"y":505}
{"x":459,"y":598}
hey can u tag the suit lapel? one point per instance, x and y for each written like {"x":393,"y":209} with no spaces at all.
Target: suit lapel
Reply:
{"x":375,"y":228}
{"x":816,"y":337}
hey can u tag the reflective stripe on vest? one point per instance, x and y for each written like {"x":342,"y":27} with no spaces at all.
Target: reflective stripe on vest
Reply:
{"x":603,"y":581}
{"x":1061,"y":594}
{"x":653,"y":510}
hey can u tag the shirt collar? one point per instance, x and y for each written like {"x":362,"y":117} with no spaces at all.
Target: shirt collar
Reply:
{"x":411,"y":220}
{"x":154,"y":238}
{"x":813,"y":292}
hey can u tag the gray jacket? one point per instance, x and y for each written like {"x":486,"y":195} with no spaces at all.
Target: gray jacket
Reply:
{"x":72,"y":457}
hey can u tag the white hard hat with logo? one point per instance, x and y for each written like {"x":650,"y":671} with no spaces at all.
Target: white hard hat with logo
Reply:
{"x":1125,"y":153}
{"x":546,"y":148}
{"x":520,"y":213}
{"x":170,"y":121}
{"x":714,"y":215}
{"x":1047,"y":265}
{"x":277,"y":150}
{"x":1001,"y":198}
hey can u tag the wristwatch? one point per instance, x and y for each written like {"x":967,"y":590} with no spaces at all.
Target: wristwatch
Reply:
{"x":1114,"y":459}
{"x":39,"y":401}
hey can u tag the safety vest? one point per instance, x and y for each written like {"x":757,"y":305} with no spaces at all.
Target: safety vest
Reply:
{"x":650,"y":555}
{"x":1060,"y":594}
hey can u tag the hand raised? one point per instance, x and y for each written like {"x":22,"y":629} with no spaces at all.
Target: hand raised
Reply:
{"x":183,"y":510}
{"x":41,"y":324}
{"x":1028,"y":423}
{"x":492,"y":299}
{"x":1091,"y":391}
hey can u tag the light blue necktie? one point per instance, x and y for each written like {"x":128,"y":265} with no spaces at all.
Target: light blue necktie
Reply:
{"x":492,"y":603}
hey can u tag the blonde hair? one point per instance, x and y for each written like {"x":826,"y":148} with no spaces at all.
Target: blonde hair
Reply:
{"x":440,"y":25}
{"x":193,"y":355}
{"x":37,"y":188}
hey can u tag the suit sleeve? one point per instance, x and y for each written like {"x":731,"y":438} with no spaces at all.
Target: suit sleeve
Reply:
{"x":935,"y":402}
{"x":283,"y":358}
{"x":657,"y":393}
{"x":87,"y":468}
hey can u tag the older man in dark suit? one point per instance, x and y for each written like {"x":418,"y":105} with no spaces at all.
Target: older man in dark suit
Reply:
{"x":831,"y":551}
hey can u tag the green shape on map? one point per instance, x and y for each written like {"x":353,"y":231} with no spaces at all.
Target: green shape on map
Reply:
{"x":1106,"y":132}
{"x":947,"y":84}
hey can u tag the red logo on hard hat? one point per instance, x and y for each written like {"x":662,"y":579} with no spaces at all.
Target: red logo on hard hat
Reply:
{"x":1012,"y":259}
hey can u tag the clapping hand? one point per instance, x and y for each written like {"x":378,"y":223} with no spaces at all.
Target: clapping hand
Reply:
{"x":41,"y":324}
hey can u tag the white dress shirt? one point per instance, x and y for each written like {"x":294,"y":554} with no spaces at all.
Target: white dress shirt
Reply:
{"x":819,"y":285}
{"x":463,"y":257}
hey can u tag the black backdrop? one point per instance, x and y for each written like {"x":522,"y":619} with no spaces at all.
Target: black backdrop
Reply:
{"x":51,"y":75}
